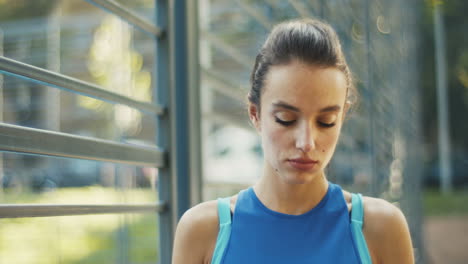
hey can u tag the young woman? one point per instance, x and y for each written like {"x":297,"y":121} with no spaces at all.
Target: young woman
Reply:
{"x":301,"y":90}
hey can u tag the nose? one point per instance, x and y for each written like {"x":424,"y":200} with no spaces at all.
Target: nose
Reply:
{"x":305,"y":140}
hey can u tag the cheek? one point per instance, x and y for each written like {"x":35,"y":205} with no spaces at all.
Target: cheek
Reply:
{"x":274,"y":140}
{"x":275,"y":137}
{"x":330,"y":139}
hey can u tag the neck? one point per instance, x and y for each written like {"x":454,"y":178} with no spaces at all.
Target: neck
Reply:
{"x":290,"y":198}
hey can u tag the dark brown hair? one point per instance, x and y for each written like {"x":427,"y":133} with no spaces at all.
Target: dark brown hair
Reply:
{"x":307,"y":40}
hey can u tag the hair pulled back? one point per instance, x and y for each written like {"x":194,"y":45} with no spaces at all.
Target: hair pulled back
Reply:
{"x":306,"y":40}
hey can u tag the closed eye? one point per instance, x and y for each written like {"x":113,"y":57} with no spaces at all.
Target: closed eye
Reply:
{"x":326,"y":125}
{"x":284,"y":122}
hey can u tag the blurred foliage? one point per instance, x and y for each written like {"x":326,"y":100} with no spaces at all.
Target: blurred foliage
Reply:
{"x":438,"y":204}
{"x":456,"y":25}
{"x":142,"y":250}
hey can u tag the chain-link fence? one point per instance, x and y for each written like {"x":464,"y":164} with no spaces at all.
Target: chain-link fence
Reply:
{"x":379,"y":153}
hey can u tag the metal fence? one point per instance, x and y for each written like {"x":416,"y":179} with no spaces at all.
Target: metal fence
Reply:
{"x":379,"y":153}
{"x":172,"y":103}
{"x":380,"y":150}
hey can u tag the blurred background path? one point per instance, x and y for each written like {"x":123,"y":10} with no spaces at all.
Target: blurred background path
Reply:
{"x":447,"y":239}
{"x":445,"y":228}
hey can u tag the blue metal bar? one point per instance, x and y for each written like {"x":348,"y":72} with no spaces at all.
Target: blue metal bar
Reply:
{"x":180,"y":103}
{"x":174,"y":130}
{"x":167,"y":219}
{"x":127,"y":15}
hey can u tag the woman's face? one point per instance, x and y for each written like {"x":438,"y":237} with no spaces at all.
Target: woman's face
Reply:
{"x":302,"y":108}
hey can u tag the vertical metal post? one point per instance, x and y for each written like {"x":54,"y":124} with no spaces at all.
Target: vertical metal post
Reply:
{"x":193,"y":86}
{"x":178,"y":53}
{"x":174,"y":128}
{"x":161,"y":95}
{"x":442,"y":101}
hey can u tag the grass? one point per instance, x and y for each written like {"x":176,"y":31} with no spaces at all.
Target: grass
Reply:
{"x":138,"y":244}
{"x":438,"y":204}
{"x":119,"y":238}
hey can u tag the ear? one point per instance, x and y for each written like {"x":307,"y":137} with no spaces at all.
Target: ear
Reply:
{"x":254,"y":115}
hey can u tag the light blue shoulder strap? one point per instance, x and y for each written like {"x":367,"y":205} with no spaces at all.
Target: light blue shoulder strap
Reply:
{"x":357,"y":217}
{"x":224,"y":215}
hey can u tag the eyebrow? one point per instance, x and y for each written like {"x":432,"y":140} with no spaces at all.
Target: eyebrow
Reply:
{"x":331,"y":108}
{"x":286,"y":106}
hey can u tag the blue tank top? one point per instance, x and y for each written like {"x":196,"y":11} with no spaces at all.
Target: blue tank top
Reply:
{"x":259,"y":235}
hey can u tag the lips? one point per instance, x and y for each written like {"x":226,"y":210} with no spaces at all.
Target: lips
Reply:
{"x":303,"y":163}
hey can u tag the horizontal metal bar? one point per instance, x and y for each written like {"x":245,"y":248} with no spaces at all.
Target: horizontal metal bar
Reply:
{"x":45,"y":77}
{"x":128,"y":15}
{"x":44,"y":210}
{"x":42,"y":142}
{"x":228,"y":49}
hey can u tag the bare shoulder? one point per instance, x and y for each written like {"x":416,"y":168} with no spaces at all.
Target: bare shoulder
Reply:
{"x":381,"y":216}
{"x":202,"y":214}
{"x":196,"y":234}
{"x":386,"y":232}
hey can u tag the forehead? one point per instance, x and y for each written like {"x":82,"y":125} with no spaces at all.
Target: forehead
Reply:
{"x":308,"y":87}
